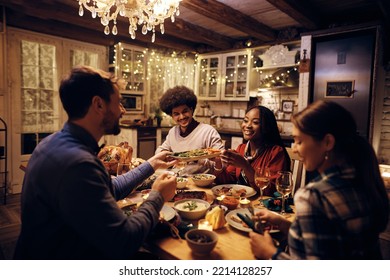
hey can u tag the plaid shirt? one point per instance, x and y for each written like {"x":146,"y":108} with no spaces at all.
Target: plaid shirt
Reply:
{"x":332,"y":220}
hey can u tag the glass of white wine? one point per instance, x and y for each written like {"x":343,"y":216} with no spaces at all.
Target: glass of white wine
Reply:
{"x":284,"y":183}
{"x":262,"y":179}
{"x":180,"y":165}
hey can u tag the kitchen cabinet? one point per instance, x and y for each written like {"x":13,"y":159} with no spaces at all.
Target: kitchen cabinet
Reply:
{"x":275,"y":78}
{"x":129,"y":63}
{"x":235,"y":79}
{"x":208,"y":78}
{"x":223,"y":76}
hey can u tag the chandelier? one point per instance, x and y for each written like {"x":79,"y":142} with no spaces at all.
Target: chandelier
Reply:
{"x":149,"y":13}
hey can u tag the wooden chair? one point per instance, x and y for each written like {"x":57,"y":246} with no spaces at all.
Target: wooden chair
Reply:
{"x":298,"y":171}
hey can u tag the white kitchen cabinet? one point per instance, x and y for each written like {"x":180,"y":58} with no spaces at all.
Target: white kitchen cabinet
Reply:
{"x":223,"y":76}
{"x":208,"y":77}
{"x":129,"y":63}
{"x":235,"y":79}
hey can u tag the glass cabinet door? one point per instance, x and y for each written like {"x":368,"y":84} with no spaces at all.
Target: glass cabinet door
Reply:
{"x":235,"y":82}
{"x":209,"y":72}
{"x":230,"y":77}
{"x":132,"y":69}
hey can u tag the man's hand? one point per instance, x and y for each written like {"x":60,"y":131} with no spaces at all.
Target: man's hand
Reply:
{"x":166,"y":185}
{"x":160,"y":161}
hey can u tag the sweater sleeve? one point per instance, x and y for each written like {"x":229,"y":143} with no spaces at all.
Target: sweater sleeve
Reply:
{"x":124,"y":184}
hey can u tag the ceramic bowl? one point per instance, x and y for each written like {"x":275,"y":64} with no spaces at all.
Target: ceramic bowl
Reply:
{"x":203,"y":180}
{"x":181,"y":182}
{"x":201,"y":241}
{"x":191,"y":209}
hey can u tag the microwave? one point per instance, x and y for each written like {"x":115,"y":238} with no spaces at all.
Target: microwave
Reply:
{"x":133,"y":103}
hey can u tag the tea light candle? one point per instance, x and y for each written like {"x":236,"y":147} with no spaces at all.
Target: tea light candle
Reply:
{"x":244,"y":202}
{"x":203,"y":224}
{"x":220,"y":198}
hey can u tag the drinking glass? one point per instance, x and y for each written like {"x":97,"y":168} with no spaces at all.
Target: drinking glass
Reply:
{"x":284,"y":185}
{"x":180,"y":165}
{"x":262,"y":179}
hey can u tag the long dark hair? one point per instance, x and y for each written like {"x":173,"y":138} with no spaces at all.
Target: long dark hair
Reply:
{"x":326,"y":117}
{"x":269,"y":131}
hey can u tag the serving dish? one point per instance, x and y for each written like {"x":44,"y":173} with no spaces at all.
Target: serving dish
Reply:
{"x":130,"y":205}
{"x":197,"y":154}
{"x":233,"y":190}
{"x":191,"y":209}
{"x":203,"y":180}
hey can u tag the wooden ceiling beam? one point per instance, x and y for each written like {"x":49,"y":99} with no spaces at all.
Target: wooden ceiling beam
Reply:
{"x":91,"y":34}
{"x":191,"y":32}
{"x":181,"y":33}
{"x":297,"y":11}
{"x":230,"y":17}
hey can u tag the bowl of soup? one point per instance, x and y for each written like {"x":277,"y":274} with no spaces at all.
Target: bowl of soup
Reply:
{"x":191,"y":209}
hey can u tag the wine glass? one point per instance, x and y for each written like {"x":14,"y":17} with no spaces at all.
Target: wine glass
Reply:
{"x":284,"y":183}
{"x":180,"y":165}
{"x":262,"y":179}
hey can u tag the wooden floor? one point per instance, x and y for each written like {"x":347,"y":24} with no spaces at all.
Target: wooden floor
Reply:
{"x":9,"y":226}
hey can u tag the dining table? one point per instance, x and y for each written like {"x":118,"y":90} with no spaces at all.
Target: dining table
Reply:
{"x":233,"y":243}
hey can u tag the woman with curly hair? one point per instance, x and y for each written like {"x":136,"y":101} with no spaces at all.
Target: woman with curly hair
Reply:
{"x":180,"y":103}
{"x":263,"y":149}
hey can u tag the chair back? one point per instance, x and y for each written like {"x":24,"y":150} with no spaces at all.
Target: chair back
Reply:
{"x":298,"y":171}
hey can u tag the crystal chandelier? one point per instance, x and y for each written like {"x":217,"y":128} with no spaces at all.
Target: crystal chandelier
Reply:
{"x":149,"y":13}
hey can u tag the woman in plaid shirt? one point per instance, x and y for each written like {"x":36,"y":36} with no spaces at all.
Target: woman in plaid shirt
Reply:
{"x":339,"y":214}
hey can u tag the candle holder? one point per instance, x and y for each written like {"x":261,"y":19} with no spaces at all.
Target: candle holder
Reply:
{"x":244,"y":202}
{"x":204,"y":224}
{"x":220,"y":198}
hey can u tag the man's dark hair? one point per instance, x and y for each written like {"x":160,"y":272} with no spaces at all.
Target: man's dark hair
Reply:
{"x":177,"y":96}
{"x":80,"y":86}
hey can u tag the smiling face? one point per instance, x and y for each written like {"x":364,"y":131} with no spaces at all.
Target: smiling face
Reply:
{"x":311,"y":151}
{"x":251,"y":125}
{"x":182,"y":115}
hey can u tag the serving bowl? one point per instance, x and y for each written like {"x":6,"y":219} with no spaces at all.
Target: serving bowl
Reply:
{"x":181,"y":182}
{"x":191,"y":209}
{"x":201,"y":241}
{"x":203,"y":180}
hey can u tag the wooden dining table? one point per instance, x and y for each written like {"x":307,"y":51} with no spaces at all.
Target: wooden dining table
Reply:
{"x":233,"y":244}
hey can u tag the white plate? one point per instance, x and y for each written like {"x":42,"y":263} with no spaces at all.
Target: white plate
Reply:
{"x":195,"y":158}
{"x":239,"y":225}
{"x":249,"y":191}
{"x":168,"y":213}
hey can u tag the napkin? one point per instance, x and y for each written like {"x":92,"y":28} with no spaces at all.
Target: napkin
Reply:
{"x":275,"y":203}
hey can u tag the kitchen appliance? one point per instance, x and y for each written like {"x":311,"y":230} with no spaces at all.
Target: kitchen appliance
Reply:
{"x":133,"y":103}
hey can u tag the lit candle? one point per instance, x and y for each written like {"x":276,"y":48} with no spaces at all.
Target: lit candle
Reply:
{"x":203,"y":224}
{"x":220,"y":198}
{"x":244,"y":202}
